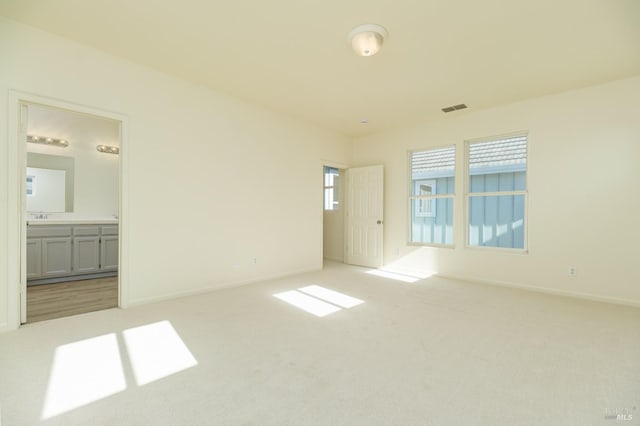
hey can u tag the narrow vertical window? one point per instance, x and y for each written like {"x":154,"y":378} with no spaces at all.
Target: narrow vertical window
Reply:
{"x":497,"y":192}
{"x":432,"y":190}
{"x":31,"y":185}
{"x":331,"y":188}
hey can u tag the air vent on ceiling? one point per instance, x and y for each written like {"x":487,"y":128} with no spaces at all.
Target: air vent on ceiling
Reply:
{"x":454,"y":108}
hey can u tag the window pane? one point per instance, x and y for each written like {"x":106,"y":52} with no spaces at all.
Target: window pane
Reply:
{"x":331,"y":190}
{"x":497,"y":221}
{"x":498,"y":165}
{"x":432,"y":220}
{"x":330,"y":174}
{"x":336,"y":185}
{"x":434,"y":168}
{"x":328,"y":198}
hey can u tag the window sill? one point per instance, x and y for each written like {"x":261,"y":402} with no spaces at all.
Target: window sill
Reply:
{"x":434,"y":245}
{"x":497,"y":249}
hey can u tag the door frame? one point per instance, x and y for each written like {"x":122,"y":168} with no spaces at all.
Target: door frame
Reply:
{"x":17,"y":215}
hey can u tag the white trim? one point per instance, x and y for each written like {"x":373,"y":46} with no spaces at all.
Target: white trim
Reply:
{"x":505,"y":250}
{"x":334,"y":164}
{"x":437,"y":245}
{"x":500,"y":136}
{"x":16,"y":226}
{"x":547,"y":290}
{"x":496,"y":193}
{"x":433,"y":197}
{"x":14,"y":214}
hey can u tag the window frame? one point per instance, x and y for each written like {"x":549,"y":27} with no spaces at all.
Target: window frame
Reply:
{"x":426,"y":206}
{"x":433,"y":198}
{"x":468,"y":194}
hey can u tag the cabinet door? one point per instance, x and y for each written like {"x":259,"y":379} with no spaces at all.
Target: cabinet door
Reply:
{"x":109,"y":253}
{"x":34,"y":258}
{"x":86,"y":255}
{"x":56,"y":256}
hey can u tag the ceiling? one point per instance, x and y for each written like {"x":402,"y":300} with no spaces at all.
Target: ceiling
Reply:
{"x":293,"y":56}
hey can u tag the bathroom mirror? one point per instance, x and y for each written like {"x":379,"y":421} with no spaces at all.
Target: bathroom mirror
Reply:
{"x":49,"y":183}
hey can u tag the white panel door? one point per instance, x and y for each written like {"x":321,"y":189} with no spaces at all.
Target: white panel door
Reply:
{"x":364,"y":216}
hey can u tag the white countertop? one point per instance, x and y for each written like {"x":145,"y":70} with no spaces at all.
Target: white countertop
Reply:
{"x":72,"y":222}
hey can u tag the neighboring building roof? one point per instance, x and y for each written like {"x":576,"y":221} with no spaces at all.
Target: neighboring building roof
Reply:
{"x":494,"y":156}
{"x":434,"y":161}
{"x":499,"y":153}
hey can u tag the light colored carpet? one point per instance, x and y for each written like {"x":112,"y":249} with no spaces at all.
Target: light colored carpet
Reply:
{"x":433,"y":352}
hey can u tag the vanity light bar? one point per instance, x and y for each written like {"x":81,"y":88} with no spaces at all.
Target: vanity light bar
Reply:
{"x":61,"y":143}
{"x":108,"y":149}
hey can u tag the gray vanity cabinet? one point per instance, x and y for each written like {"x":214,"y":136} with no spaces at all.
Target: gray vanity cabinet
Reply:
{"x":86,"y":249}
{"x":57,"y":251}
{"x":34,"y":258}
{"x":56,"y":256}
{"x":48,"y":251}
{"x":109,"y":248}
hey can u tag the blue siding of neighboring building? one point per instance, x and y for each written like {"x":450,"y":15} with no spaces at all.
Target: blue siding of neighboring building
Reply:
{"x":497,"y":221}
{"x":437,"y":229}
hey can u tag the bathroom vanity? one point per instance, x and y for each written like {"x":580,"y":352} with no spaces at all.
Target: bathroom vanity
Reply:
{"x":71,"y":250}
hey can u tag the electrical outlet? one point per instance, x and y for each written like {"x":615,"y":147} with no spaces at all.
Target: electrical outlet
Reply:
{"x":572,"y":271}
{"x":254,"y":260}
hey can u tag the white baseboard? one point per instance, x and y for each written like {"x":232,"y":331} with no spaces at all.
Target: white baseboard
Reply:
{"x":209,"y":289}
{"x":546,"y":290}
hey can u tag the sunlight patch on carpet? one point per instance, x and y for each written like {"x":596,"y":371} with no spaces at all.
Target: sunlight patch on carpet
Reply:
{"x":331,"y":296}
{"x":156,"y":351}
{"x":83,"y":372}
{"x":318,"y":300}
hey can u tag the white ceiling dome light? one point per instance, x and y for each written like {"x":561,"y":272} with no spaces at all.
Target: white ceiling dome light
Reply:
{"x":367,"y":39}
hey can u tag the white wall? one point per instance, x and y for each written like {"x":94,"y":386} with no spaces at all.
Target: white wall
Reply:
{"x":584,"y":192}
{"x":212,"y":181}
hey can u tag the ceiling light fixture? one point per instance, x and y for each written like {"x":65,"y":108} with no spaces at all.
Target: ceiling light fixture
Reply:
{"x":367,"y":39}
{"x":44,"y":140}
{"x":108,"y":149}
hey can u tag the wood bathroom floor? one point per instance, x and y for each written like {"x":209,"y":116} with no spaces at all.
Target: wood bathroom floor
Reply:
{"x":49,"y":301}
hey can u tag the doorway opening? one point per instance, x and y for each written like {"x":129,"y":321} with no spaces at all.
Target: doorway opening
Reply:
{"x":70,"y":193}
{"x":333,"y":213}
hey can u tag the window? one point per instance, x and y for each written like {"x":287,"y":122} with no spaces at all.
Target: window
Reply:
{"x":425,"y":206}
{"x":431,"y":196}
{"x":331,"y":188}
{"x":497,"y":192}
{"x":31,"y":186}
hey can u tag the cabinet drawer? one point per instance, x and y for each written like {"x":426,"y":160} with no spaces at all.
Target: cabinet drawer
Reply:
{"x":110,"y":230}
{"x":48,"y":231}
{"x":85,"y":230}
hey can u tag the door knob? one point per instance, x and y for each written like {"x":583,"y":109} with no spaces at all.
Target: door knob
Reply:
{"x":379,"y":222}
